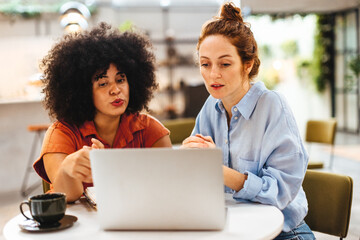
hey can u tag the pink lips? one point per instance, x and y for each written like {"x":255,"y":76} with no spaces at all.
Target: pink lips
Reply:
{"x":216,"y":86}
{"x":117,"y":102}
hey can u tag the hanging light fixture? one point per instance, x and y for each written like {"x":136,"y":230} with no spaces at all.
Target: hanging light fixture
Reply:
{"x":74,"y":16}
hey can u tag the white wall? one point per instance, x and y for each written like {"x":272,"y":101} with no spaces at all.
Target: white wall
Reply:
{"x":16,"y":141}
{"x":19,"y":60}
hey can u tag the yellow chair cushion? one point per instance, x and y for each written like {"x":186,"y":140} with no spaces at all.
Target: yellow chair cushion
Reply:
{"x":180,"y":128}
{"x":315,"y":165}
{"x":329,"y":198}
{"x":321,"y":131}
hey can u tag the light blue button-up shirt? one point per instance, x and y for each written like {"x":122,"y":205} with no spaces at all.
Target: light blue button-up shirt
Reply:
{"x":263,"y":142}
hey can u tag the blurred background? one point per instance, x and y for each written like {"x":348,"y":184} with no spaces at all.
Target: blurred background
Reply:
{"x":313,"y":47}
{"x":309,"y":52}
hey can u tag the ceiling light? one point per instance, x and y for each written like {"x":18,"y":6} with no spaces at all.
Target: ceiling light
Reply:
{"x":74,"y":16}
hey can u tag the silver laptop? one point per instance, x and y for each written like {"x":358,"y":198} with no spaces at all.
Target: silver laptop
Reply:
{"x":159,"y":189}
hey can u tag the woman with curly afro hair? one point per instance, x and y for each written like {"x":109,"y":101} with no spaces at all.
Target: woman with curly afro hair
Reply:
{"x":96,"y":84}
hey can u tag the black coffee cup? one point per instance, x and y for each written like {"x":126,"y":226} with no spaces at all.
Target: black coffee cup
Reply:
{"x":46,"y":209}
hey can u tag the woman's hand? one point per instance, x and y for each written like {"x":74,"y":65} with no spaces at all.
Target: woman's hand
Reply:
{"x":198,"y":141}
{"x":68,"y":172}
{"x":96,"y":144}
{"x":77,"y":165}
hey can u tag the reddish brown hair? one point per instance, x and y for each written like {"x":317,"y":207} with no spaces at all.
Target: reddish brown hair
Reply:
{"x":231,"y":25}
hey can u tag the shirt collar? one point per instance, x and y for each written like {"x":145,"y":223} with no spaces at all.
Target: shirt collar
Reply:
{"x":219,"y":106}
{"x":88,"y":129}
{"x":247,"y":104}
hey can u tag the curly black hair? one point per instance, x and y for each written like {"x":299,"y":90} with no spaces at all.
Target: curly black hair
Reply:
{"x":73,"y":61}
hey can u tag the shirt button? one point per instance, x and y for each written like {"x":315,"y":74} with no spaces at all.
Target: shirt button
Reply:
{"x":236,"y":118}
{"x":235,"y":109}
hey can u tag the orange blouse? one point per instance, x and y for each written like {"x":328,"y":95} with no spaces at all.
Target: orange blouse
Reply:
{"x":134,"y":131}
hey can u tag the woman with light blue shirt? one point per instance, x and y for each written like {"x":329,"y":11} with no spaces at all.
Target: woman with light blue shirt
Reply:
{"x":264,"y":159}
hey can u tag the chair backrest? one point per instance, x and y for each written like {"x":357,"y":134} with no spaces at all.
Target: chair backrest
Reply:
{"x":46,"y":186}
{"x":329,"y":198}
{"x":321,"y":131}
{"x":180,"y":128}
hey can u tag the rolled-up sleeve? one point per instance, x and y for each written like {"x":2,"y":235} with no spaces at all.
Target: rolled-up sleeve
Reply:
{"x":252,"y":187}
{"x":281,"y":163}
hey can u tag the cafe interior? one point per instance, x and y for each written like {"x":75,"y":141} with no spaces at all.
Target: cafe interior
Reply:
{"x":309,"y":51}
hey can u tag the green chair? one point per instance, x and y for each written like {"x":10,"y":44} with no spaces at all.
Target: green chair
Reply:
{"x":329,"y":198}
{"x":321,"y":131}
{"x":180,"y":128}
{"x":46,"y":186}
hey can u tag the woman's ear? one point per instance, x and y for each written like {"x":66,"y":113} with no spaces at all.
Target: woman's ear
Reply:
{"x":248,"y":66}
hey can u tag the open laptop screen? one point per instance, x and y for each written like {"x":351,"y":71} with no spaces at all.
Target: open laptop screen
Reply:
{"x":159,"y":188}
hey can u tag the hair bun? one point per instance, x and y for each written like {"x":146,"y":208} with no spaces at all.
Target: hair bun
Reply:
{"x":230,"y":12}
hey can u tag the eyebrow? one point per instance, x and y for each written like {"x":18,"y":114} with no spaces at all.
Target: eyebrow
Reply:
{"x":104,"y":75}
{"x":98,"y":76}
{"x":222,"y":56}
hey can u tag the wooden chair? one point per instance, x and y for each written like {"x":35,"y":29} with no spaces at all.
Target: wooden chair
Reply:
{"x":39,"y":130}
{"x":321,"y":131}
{"x":329,"y":198}
{"x":180,"y":128}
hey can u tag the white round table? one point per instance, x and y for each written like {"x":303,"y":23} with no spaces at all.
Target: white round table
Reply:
{"x":244,"y":221}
